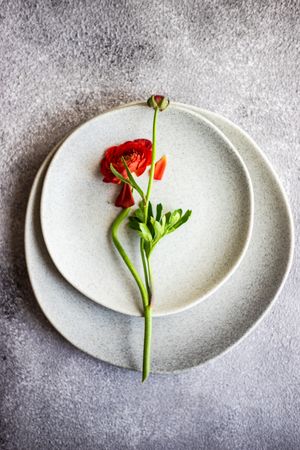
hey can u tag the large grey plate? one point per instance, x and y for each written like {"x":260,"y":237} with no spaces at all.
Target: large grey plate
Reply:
{"x":205,"y":174}
{"x":190,"y":338}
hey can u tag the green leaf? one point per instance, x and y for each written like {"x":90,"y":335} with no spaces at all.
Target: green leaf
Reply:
{"x":139,"y":213}
{"x":129,"y":174}
{"x":145,"y":233}
{"x":133,"y":183}
{"x":158,"y":229}
{"x":174,"y":218}
{"x":118,"y":175}
{"x":134,"y":223}
{"x":150,"y":210}
{"x":159,"y":209}
{"x":167,"y":216}
{"x":151,"y":228}
{"x":183,"y":219}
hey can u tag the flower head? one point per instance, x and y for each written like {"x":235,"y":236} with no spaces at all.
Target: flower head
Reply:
{"x":137,"y":155}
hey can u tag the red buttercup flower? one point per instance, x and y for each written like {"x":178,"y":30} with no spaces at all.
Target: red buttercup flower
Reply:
{"x":160,"y":167}
{"x":137,"y":155}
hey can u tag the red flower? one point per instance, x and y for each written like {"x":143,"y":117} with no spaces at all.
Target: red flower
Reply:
{"x":137,"y":155}
{"x":160,"y":167}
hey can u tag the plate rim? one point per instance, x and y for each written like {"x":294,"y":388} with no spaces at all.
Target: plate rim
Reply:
{"x":236,"y":262}
{"x":251,"y":327}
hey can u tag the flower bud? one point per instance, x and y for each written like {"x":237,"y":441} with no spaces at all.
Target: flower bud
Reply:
{"x":158,"y":101}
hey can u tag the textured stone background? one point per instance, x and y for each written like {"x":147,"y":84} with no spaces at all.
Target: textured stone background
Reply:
{"x":63,"y":62}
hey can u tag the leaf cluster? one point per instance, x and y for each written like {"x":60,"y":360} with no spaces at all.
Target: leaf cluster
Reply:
{"x":158,"y":225}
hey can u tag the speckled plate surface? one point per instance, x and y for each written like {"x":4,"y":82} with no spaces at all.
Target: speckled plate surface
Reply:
{"x":190,"y":338}
{"x":204,"y":173}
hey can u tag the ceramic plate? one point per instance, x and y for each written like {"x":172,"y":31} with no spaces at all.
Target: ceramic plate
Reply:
{"x":204,"y":174}
{"x":199,"y":334}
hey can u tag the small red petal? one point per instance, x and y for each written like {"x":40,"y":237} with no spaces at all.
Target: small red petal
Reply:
{"x":125,"y":198}
{"x":140,"y":170}
{"x":158,"y":98}
{"x":160,"y":167}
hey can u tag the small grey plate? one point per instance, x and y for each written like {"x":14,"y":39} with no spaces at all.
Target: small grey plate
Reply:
{"x":197,"y":335}
{"x":204,"y":173}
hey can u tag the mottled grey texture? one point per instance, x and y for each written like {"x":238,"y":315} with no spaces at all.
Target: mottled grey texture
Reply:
{"x":61,"y":63}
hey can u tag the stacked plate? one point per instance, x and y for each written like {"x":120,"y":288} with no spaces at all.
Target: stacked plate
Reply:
{"x":215,"y":277}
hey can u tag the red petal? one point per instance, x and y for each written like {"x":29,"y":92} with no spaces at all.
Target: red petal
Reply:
{"x":140,"y":170}
{"x":158,"y":98}
{"x":125,"y":198}
{"x":160,"y":167}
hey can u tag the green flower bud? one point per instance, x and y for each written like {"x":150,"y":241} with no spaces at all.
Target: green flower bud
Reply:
{"x":158,"y":101}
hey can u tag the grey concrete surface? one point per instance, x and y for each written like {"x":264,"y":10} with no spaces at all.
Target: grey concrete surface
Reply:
{"x":61,"y":62}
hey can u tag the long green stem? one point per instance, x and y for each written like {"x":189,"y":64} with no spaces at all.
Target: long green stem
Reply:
{"x":114,"y":232}
{"x":147,"y":343}
{"x":144,"y":293}
{"x":146,"y":264}
{"x":151,"y":176}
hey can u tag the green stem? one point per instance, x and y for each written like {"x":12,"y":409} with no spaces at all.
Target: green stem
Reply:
{"x":145,"y":292}
{"x":147,"y":343}
{"x":151,"y":176}
{"x":114,"y":232}
{"x":150,"y":277}
{"x":144,"y":261}
{"x":146,"y":264}
{"x":147,"y":308}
